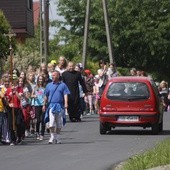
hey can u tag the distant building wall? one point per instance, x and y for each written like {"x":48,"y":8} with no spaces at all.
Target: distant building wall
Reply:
{"x":19,"y":14}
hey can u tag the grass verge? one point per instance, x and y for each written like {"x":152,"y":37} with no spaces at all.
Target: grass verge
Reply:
{"x":159,"y":155}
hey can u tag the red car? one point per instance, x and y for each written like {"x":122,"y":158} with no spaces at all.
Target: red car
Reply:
{"x":131,"y":101}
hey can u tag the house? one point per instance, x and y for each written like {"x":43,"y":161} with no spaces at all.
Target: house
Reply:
{"x":19,"y":14}
{"x":36,"y":9}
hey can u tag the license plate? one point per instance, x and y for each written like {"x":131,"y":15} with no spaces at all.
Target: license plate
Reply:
{"x":128,"y":118}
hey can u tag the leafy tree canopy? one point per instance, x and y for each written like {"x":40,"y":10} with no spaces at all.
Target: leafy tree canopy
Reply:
{"x":140,"y":32}
{"x":4,"y":42}
{"x":28,"y":53}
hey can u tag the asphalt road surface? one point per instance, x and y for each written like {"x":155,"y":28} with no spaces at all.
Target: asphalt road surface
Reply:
{"x":82,"y":148}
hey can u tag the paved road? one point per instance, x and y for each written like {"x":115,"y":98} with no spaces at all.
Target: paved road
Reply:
{"x":83,"y":148}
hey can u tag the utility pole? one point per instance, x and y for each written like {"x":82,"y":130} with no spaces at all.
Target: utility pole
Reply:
{"x":108,"y":36}
{"x":44,"y":29}
{"x":41,"y":34}
{"x":86,"y":31}
{"x":107,"y":26}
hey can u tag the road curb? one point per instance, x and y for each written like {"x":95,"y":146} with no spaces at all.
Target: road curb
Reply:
{"x":120,"y":167}
{"x":164,"y":167}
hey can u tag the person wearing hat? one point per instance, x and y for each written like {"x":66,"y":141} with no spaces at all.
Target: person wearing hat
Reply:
{"x":79,"y":67}
{"x":89,"y":81}
{"x":13,"y":95}
{"x":53,"y":62}
{"x":50,"y":69}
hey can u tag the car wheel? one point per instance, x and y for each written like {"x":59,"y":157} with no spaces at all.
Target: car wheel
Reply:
{"x":155,"y":129}
{"x":103,"y":128}
{"x":161,"y":126}
{"x":109,"y":128}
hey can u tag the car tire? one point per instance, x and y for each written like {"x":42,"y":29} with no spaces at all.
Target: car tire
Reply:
{"x":103,"y":129}
{"x":161,"y":126}
{"x":109,"y":128}
{"x":155,"y":129}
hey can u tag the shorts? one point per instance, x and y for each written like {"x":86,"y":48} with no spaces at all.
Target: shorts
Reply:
{"x":55,"y":120}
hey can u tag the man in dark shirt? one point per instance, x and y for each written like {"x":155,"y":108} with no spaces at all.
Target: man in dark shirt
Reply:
{"x":72,"y":79}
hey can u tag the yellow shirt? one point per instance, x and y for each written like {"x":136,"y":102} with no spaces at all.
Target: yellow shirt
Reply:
{"x":2,"y":90}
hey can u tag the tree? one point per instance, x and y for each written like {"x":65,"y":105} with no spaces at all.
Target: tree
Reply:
{"x":28,"y":53}
{"x":4,"y":43}
{"x":140,"y":31}
{"x":71,"y":30}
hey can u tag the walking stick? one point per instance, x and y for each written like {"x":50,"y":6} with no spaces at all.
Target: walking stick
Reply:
{"x":11,"y":73}
{"x":10,"y":35}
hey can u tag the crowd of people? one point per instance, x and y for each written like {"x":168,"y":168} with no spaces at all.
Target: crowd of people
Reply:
{"x":39,"y":99}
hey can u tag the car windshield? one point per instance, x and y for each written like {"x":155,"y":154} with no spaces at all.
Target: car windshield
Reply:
{"x":128,"y":91}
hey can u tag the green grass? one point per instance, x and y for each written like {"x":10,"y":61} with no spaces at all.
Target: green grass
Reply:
{"x":159,"y":155}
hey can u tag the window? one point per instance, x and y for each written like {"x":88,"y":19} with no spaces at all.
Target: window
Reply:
{"x":128,"y":91}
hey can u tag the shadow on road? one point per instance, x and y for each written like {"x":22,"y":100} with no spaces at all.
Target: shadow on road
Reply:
{"x":136,"y":132}
{"x":165,"y":132}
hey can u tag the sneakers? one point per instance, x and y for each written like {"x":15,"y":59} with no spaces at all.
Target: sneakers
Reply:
{"x":7,"y":141}
{"x":51,"y":140}
{"x":58,"y":141}
{"x":41,"y":137}
{"x":32,"y":132}
{"x":27,"y":133}
{"x":38,"y":137}
{"x":12,"y":143}
{"x":19,"y":141}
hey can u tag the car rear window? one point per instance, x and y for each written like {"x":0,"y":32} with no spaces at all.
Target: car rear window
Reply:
{"x":128,"y":91}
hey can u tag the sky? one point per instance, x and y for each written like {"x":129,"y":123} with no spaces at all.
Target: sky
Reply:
{"x":52,"y":16}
